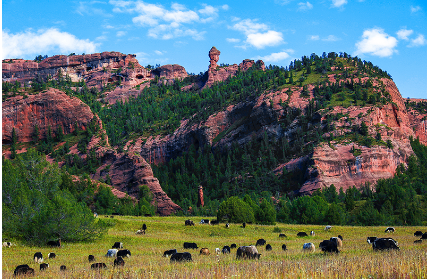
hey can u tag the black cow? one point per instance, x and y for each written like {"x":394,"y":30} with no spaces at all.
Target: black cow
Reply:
{"x":181,"y":257}
{"x":98,"y":265}
{"x":91,"y":258}
{"x":190,"y":245}
{"x":329,"y":246}
{"x":390,"y":229}
{"x":385,"y":244}
{"x":282,"y":235}
{"x":371,"y":239}
{"x":340,"y":237}
{"x":268,"y":247}
{"x":284,"y":248}
{"x":53,"y":243}
{"x":144,"y":227}
{"x":424,"y":236}
{"x":233,"y":246}
{"x":244,"y":225}
{"x":119,"y":261}
{"x":169,"y":253}
{"x":51,"y":255}
{"x":123,"y":253}
{"x":260,"y":242}
{"x":63,"y":268}
{"x":214,"y":222}
{"x":418,"y":241}
{"x":38,"y":257}
{"x":23,"y":269}
{"x":189,"y":223}
{"x":418,"y":233}
{"x":117,"y":245}
{"x":302,"y":234}
{"x":226,"y":249}
{"x":44,"y":266}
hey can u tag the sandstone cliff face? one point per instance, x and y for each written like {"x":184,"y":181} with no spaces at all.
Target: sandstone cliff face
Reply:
{"x":49,"y":108}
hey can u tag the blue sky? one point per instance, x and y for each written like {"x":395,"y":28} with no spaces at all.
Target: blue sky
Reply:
{"x":390,"y":34}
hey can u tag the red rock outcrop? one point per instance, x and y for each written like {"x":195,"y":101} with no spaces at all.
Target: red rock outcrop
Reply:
{"x":214,"y":57}
{"x":49,"y":108}
{"x":170,"y":72}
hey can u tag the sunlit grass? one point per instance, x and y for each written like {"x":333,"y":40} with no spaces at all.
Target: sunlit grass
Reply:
{"x":356,"y":260}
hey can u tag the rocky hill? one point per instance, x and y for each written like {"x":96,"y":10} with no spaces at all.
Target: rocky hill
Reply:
{"x":327,"y":120}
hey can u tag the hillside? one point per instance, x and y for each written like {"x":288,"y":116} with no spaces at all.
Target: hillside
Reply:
{"x":235,"y":129}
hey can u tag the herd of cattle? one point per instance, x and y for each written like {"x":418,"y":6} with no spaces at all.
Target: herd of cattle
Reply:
{"x":242,"y":252}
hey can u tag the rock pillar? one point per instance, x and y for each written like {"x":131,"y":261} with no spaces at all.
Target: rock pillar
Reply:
{"x":201,"y":202}
{"x":214,"y":57}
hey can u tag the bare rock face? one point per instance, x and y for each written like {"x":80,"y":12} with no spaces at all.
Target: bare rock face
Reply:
{"x":214,"y":57}
{"x":49,"y":108}
{"x":170,"y":72}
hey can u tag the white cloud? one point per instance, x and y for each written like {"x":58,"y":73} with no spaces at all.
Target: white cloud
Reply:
{"x":88,"y":8}
{"x":158,"y":52}
{"x":415,"y":9}
{"x":208,"y":10}
{"x":304,"y":6}
{"x":29,"y":43}
{"x":121,"y":33}
{"x":314,"y":37}
{"x":420,"y":40}
{"x":232,"y":40}
{"x":330,"y":38}
{"x":247,"y":26}
{"x":376,"y":42}
{"x":225,"y":7}
{"x":261,"y":40}
{"x":338,"y":3}
{"x":274,"y":57}
{"x":403,"y":34}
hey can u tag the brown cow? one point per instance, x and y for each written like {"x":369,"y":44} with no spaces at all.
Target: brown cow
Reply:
{"x":204,"y":251}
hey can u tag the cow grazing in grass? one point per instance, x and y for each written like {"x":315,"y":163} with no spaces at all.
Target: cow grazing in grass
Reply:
{"x":226,"y":249}
{"x":44,"y":266}
{"x":244,"y":225}
{"x":111,"y":253}
{"x":418,"y":233}
{"x":23,"y":269}
{"x":337,"y":241}
{"x":390,"y":229}
{"x":53,"y":243}
{"x":233,"y":246}
{"x":227,"y":225}
{"x":205,"y":221}
{"x":418,"y":241}
{"x":117,"y":245}
{"x":282,"y":235}
{"x":51,"y":255}
{"x":190,"y":245}
{"x":63,"y":268}
{"x":371,"y":239}
{"x":9,"y":244}
{"x":217,"y":251}
{"x":329,"y":246}
{"x":123,"y":253}
{"x":385,"y":244}
{"x":302,"y":234}
{"x":312,"y":233}
{"x":119,"y":261}
{"x":327,"y":228}
{"x":247,"y":252}
{"x":98,"y":265}
{"x":268,"y":247}
{"x":260,"y":242}
{"x":308,"y":247}
{"x":169,"y":252}
{"x":38,"y":257}
{"x":424,"y":236}
{"x":91,"y":258}
{"x":284,"y":248}
{"x":140,"y":232}
{"x":181,"y":257}
{"x":214,"y":222}
{"x":204,"y":251}
{"x":189,"y":223}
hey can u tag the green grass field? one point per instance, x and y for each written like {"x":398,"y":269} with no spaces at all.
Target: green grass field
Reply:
{"x":356,"y":260}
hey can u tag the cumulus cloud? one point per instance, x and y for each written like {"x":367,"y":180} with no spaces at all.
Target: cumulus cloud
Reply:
{"x":304,"y":6}
{"x":257,"y":34}
{"x":420,"y":40}
{"x":376,"y":42}
{"x":330,"y":38}
{"x":415,"y":9}
{"x":314,"y":37}
{"x":403,"y":34}
{"x":121,"y":33}
{"x":89,"y":8}
{"x":274,"y":57}
{"x":29,"y":43}
{"x":232,"y":40}
{"x":338,"y":3}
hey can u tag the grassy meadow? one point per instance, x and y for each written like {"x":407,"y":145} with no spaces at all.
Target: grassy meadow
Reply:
{"x":356,"y":260}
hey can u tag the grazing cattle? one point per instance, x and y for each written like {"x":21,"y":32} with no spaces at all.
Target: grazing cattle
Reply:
{"x":312,"y":233}
{"x":204,"y":251}
{"x":302,"y":234}
{"x":144,"y":227}
{"x":217,"y":251}
{"x":247,"y":252}
{"x":329,"y":246}
{"x":418,"y":241}
{"x":284,"y":247}
{"x":140,"y":232}
{"x":214,"y":222}
{"x":340,"y":237}
{"x":282,"y":235}
{"x":371,"y":239}
{"x":390,"y":229}
{"x":268,"y":247}
{"x":98,"y":265}
{"x":190,"y":245}
{"x":119,"y":261}
{"x":91,"y":258}
{"x":337,"y":241}
{"x":189,"y":223}
{"x":63,"y":268}
{"x":385,"y":244}
{"x":181,"y":257}
{"x":244,"y":225}
{"x":111,"y":253}
{"x":117,"y":245}
{"x":308,"y":247}
{"x":51,"y":255}
{"x":233,"y":246}
{"x":53,"y":243}
{"x":260,"y":242}
{"x":124,"y":253}
{"x":8,"y":244}
{"x":44,"y":266}
{"x":226,"y":249}
{"x":169,"y":252}
{"x":327,"y":228}
{"x":227,"y":225}
{"x":424,"y":236}
{"x":417,"y":233}
{"x":205,"y":221}
{"x":38,"y":257}
{"x":23,"y":269}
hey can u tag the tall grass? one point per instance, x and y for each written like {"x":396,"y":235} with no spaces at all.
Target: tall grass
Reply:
{"x":356,"y":260}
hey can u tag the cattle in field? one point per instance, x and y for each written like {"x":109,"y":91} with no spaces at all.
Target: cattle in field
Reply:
{"x":385,"y":244}
{"x":140,"y":232}
{"x":91,"y":258}
{"x":247,"y":252}
{"x":329,"y":246}
{"x":371,"y":239}
{"x":390,"y":229}
{"x":312,"y":233}
{"x":244,"y":225}
{"x":282,"y":235}
{"x":119,"y":261}
{"x":226,"y":249}
{"x":53,"y":243}
{"x":268,"y":247}
{"x":284,"y":248}
{"x":205,"y":221}
{"x":217,"y":251}
{"x":189,"y":223}
{"x":144,"y":227}
{"x":63,"y":268}
{"x":214,"y":222}
{"x":38,"y":257}
{"x":9,"y":244}
{"x":418,"y":233}
{"x":337,"y":241}
{"x":117,"y":245}
{"x":260,"y":242}
{"x":169,"y":252}
{"x":327,"y":228}
{"x":23,"y":269}
{"x":111,"y":253}
{"x":418,"y":241}
{"x":204,"y":251}
{"x":123,"y":253}
{"x":190,"y":245}
{"x":424,"y":236}
{"x":44,"y":266}
{"x":340,"y":237}
{"x":227,"y":225}
{"x":181,"y":257}
{"x":308,"y":247}
{"x":51,"y":255}
{"x":302,"y":234}
{"x":233,"y":246}
{"x":98,"y":265}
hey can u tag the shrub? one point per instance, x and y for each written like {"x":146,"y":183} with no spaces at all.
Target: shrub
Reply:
{"x":236,"y":211}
